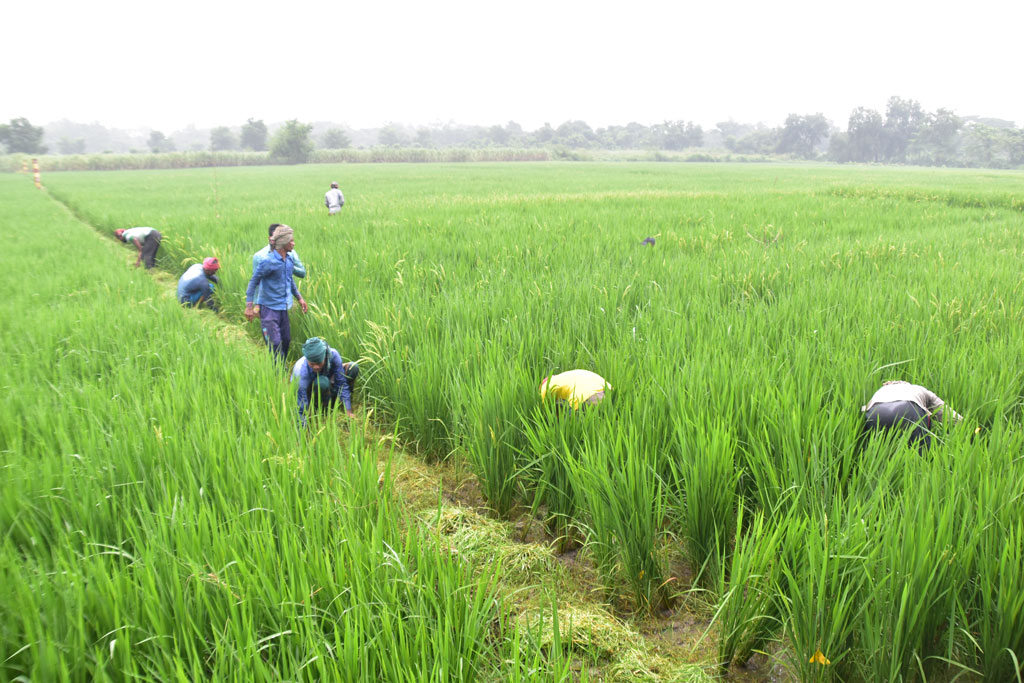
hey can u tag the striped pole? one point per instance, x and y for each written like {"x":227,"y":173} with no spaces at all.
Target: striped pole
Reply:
{"x":24,"y":165}
{"x":35,"y":171}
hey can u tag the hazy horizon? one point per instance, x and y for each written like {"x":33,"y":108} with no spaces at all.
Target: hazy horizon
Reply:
{"x":219,"y":64}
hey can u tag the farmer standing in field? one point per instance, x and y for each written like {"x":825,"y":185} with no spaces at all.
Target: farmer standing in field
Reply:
{"x":274,"y":274}
{"x":334,"y":199}
{"x":146,"y":241}
{"x":323,"y":376}
{"x":299,"y":270}
{"x":575,"y":387}
{"x":900,"y":404}
{"x":195,"y":287}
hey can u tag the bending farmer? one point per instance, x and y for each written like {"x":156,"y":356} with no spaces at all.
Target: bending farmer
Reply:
{"x":195,"y":287}
{"x":323,"y":376}
{"x":274,"y":274}
{"x":903,"y":405}
{"x":575,"y":387}
{"x":146,"y":241}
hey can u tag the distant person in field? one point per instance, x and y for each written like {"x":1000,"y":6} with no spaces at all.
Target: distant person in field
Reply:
{"x":902,"y":405}
{"x":323,"y":377}
{"x":274,"y":274}
{"x":195,"y":287}
{"x":298,"y":270}
{"x":146,"y":241}
{"x":574,"y":388}
{"x":334,"y":200}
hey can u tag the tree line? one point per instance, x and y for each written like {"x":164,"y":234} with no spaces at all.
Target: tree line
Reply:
{"x":906,"y":134}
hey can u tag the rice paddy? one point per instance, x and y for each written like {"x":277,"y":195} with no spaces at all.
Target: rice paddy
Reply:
{"x":164,"y":516}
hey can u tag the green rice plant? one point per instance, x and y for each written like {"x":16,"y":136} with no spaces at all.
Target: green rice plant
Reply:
{"x":553,"y":443}
{"x":622,"y":509}
{"x":705,"y":483}
{"x":748,"y":609}
{"x":821,"y":592}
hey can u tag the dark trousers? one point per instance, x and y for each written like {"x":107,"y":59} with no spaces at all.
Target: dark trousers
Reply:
{"x":150,"y":247}
{"x":277,"y":331}
{"x":905,"y":415}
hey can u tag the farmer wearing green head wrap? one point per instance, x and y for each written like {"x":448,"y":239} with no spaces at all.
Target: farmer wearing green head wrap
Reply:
{"x":323,"y":376}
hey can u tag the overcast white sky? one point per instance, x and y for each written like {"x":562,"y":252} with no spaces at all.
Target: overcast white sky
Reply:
{"x":166,"y":65}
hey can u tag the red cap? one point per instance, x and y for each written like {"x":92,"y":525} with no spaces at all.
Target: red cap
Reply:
{"x":211,"y":263}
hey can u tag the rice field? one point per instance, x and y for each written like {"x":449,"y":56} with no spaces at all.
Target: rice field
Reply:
{"x":726,"y":471}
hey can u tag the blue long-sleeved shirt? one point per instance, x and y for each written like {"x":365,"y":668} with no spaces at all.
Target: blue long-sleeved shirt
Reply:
{"x":333,"y":371}
{"x":299,"y":271}
{"x":274,"y":274}
{"x":194,"y":281}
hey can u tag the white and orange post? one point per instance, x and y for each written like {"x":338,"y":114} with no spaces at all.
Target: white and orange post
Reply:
{"x":35,"y":172}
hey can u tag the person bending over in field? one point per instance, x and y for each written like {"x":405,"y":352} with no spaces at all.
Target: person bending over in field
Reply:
{"x":902,"y":405}
{"x":334,"y":200}
{"x":323,"y":377}
{"x":146,"y":241}
{"x":195,"y":287}
{"x":298,"y":269}
{"x":274,"y":274}
{"x":574,"y":388}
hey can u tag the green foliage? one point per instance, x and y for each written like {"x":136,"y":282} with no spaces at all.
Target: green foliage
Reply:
{"x":336,"y":138}
{"x":802,"y":134}
{"x":254,"y":135}
{"x":740,"y":347}
{"x":158,"y":142}
{"x":21,"y":137}
{"x":222,"y":140}
{"x":291,"y":143}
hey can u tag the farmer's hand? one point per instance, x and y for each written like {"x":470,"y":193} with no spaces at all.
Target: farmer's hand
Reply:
{"x":302,"y":305}
{"x":249,"y":313}
{"x":351,"y":414}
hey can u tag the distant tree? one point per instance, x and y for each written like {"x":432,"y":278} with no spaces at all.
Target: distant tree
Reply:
{"x":936,"y":140}
{"x":496,"y":135}
{"x":731,"y":129}
{"x":801,"y":134}
{"x":68,"y":146}
{"x":336,"y":138}
{"x":158,"y":142}
{"x":676,"y":135}
{"x":291,"y":143}
{"x":392,"y":135}
{"x":544,"y":135}
{"x":222,"y":139}
{"x":20,"y":136}
{"x":576,"y":134}
{"x":760,"y":140}
{"x":254,"y":135}
{"x":865,"y":135}
{"x":903,"y":118}
{"x":424,"y":138}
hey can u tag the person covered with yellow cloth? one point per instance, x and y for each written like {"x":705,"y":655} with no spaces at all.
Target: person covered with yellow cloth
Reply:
{"x":575,"y":387}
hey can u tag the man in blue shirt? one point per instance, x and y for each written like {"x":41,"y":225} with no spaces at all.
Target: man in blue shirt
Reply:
{"x":274,"y":274}
{"x":323,"y":377}
{"x":299,"y":270}
{"x":195,"y":288}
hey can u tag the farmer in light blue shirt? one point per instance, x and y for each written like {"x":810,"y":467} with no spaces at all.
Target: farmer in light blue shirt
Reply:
{"x":274,"y":273}
{"x":323,"y":378}
{"x":195,"y":288}
{"x":299,"y":270}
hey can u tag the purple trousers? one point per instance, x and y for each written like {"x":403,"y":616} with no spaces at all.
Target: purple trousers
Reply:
{"x":277,"y":330}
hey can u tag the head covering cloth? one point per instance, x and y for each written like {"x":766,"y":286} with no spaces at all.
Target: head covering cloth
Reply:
{"x":315,"y":350}
{"x":282,"y":236}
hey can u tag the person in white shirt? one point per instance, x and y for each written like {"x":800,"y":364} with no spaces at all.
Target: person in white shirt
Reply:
{"x":334,"y":200}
